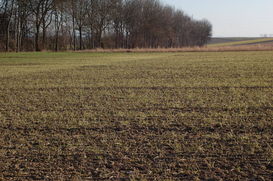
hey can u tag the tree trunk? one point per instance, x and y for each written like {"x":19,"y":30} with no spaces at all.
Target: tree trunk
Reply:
{"x":74,"y":32}
{"x":7,"y":37}
{"x":116,"y":39}
{"x":80,"y":30}
{"x":18,"y":34}
{"x":99,"y":44}
{"x":8,"y":27}
{"x":92,"y":43}
{"x":37,"y":38}
{"x":44,"y":36}
{"x":57,"y":41}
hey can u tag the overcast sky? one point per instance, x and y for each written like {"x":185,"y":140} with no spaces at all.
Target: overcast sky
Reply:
{"x":231,"y":18}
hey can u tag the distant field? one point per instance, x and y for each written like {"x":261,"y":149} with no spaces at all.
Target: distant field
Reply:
{"x":215,"y":40}
{"x":220,"y":42}
{"x":138,"y":116}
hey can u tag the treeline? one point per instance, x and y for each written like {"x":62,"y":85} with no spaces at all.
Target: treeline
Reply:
{"x":27,"y":25}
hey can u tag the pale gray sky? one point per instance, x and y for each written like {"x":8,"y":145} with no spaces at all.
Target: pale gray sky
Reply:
{"x":231,"y":18}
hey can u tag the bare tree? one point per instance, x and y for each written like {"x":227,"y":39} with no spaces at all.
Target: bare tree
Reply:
{"x":97,"y":23}
{"x":40,"y":10}
{"x":58,"y":20}
{"x":8,"y":12}
{"x":80,"y":14}
{"x":117,"y":15}
{"x":102,"y":18}
{"x":23,"y":12}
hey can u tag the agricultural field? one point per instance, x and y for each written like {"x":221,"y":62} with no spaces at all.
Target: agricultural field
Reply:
{"x":222,"y":42}
{"x":136,"y":116}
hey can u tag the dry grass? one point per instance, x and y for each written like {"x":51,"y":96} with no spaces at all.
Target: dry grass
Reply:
{"x":259,"y":47}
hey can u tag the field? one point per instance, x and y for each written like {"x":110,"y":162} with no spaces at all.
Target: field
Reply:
{"x":222,"y":42}
{"x":137,"y":116}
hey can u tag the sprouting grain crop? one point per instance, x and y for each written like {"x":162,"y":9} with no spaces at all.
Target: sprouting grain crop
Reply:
{"x":138,"y":116}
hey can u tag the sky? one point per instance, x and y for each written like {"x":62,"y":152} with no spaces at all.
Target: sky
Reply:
{"x":231,"y":18}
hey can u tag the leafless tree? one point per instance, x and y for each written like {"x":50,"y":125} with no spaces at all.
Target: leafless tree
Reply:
{"x":7,"y":8}
{"x":80,"y":24}
{"x":79,"y":9}
{"x":41,"y":10}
